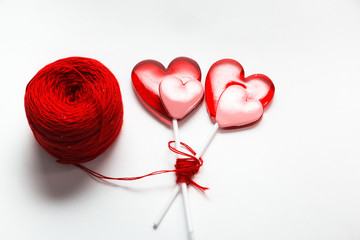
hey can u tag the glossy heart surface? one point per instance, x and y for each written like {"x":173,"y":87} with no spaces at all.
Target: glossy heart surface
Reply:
{"x":235,"y":108}
{"x":148,"y":74}
{"x":228,"y":72}
{"x":180,"y":98}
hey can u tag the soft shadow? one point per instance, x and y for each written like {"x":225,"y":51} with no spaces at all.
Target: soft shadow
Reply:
{"x":268,"y":107}
{"x":55,"y":180}
{"x":59,"y":181}
{"x":239,"y":129}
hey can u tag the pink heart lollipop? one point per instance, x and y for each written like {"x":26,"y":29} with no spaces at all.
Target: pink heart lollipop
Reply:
{"x":235,"y":108}
{"x":180,"y":98}
{"x":226,"y":73}
{"x":148,"y":74}
{"x":170,"y":93}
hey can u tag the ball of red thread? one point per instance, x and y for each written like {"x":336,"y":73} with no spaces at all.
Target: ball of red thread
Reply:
{"x":74,"y":109}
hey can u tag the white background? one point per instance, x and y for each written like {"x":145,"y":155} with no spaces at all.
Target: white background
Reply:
{"x":295,"y":175}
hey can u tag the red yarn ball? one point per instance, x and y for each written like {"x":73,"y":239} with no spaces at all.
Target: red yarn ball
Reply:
{"x":74,"y":109}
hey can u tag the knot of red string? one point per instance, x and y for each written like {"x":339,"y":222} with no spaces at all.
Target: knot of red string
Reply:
{"x":185,"y":168}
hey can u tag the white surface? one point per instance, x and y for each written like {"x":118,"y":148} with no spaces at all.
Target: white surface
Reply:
{"x":295,"y":175}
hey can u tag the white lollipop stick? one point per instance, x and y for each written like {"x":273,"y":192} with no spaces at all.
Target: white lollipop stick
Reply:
{"x":207,"y":141}
{"x":166,"y":207}
{"x":177,"y":188}
{"x":185,"y":198}
{"x":184,"y":189}
{"x":183,"y":185}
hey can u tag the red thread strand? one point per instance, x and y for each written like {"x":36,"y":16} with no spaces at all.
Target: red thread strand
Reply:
{"x":74,"y":109}
{"x":185,"y":168}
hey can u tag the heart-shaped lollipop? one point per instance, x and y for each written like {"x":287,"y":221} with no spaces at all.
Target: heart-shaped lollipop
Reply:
{"x":171,"y":93}
{"x":147,"y":76}
{"x":232,"y":101}
{"x":240,"y":106}
{"x":235,"y":108}
{"x":180,"y":98}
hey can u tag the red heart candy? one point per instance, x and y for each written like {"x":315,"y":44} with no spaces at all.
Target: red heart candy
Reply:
{"x":227,"y":72}
{"x":147,"y":75}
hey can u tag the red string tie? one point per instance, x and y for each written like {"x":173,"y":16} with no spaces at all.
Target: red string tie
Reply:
{"x":185,"y":168}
